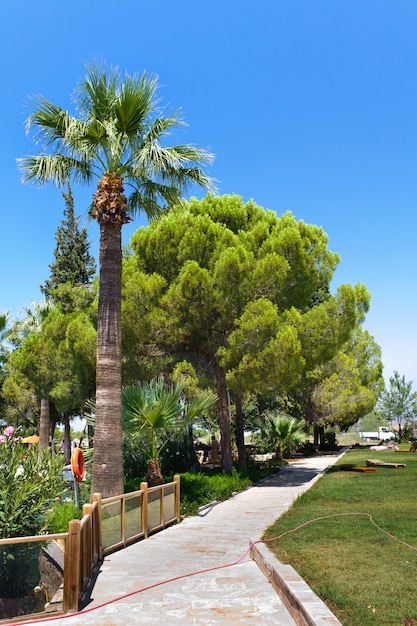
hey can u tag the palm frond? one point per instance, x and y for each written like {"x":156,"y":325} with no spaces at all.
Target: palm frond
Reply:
{"x":199,"y":404}
{"x":186,"y":153}
{"x":168,"y":195}
{"x":50,"y":124}
{"x":153,"y":405}
{"x":96,"y":94}
{"x":167,"y":162}
{"x":57,"y":169}
{"x":134,"y":104}
{"x":154,"y":413}
{"x":119,"y":130}
{"x":187,"y":177}
{"x":140,"y":202}
{"x":160,"y":127}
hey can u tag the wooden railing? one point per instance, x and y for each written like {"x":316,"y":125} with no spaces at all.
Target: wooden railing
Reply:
{"x":132,"y":516}
{"x":107,"y":525}
{"x":82,"y":553}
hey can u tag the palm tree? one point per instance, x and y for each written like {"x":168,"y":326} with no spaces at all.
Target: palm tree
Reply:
{"x":116,"y":139}
{"x":284,"y":431}
{"x":154,"y":414}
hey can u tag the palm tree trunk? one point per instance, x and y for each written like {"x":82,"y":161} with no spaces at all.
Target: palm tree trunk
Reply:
{"x":154,"y":475}
{"x":226,"y":444}
{"x":107,"y":476}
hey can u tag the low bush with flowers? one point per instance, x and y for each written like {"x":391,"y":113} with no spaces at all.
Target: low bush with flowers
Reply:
{"x":29,"y":484}
{"x":8,"y":433}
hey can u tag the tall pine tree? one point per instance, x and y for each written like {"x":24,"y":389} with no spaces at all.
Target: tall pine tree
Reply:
{"x":73,"y":262}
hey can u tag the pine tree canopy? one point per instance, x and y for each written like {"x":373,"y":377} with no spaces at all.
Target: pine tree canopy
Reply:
{"x":73,"y":262}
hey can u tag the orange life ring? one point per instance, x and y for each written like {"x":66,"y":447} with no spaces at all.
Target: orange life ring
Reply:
{"x":77,"y":464}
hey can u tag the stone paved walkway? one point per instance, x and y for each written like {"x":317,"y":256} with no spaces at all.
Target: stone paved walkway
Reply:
{"x":219,"y":536}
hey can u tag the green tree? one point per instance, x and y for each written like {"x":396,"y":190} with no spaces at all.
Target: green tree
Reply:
{"x":399,"y":402}
{"x":30,"y":322}
{"x":340,"y":398}
{"x":21,"y":406}
{"x":19,"y":333}
{"x":58,"y":360}
{"x":71,"y":273}
{"x":225,"y":284}
{"x":76,"y":347}
{"x":342,"y":374}
{"x":73,"y":262}
{"x":155,"y":414}
{"x":118,"y":139}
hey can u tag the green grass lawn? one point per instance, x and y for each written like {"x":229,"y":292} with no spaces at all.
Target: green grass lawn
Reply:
{"x":367,"y":577}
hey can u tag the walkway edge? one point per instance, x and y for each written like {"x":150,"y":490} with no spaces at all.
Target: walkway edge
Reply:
{"x":304,"y":606}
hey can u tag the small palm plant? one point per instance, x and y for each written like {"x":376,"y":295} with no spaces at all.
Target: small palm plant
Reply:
{"x":284,"y":432}
{"x":155,"y":413}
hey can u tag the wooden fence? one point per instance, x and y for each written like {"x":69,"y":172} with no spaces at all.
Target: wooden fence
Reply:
{"x":107,"y":525}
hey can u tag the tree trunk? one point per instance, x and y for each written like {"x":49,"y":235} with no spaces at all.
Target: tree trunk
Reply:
{"x":279,"y":453}
{"x":44,"y":424}
{"x":226,"y":444}
{"x":67,"y":440}
{"x":322,"y":443}
{"x":316,"y":438}
{"x":107,"y":476}
{"x":240,"y":432}
{"x":53,"y":419}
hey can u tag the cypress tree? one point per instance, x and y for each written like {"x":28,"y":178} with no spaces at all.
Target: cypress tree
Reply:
{"x":73,"y":262}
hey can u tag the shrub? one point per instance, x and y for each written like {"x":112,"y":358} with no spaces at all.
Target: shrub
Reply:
{"x":29,"y":484}
{"x":133,"y":484}
{"x":178,"y":456}
{"x":283,"y":432}
{"x":330,"y":441}
{"x":59,"y":517}
{"x":134,"y":461}
{"x":199,"y":489}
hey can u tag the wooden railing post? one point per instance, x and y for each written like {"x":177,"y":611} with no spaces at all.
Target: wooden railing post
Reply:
{"x":177,"y":481}
{"x":144,"y":489}
{"x":88,"y":559}
{"x":161,"y":506}
{"x":72,"y":567}
{"x":97,"y":527}
{"x":123,"y":520}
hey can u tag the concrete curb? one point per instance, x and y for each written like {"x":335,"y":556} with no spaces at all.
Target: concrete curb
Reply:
{"x":304,"y":606}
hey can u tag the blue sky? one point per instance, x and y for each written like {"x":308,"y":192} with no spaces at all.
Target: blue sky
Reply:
{"x":308,"y":105}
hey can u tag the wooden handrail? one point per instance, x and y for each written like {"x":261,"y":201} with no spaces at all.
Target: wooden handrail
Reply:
{"x":30,"y":538}
{"x":84,"y":539}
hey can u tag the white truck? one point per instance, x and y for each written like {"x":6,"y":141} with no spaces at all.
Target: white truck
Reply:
{"x":382,"y":434}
